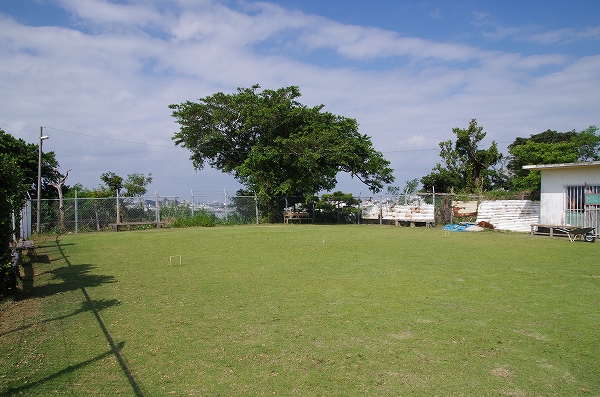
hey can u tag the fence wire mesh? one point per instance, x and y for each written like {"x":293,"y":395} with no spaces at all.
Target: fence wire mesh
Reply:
{"x":103,"y":214}
{"x":100,"y":214}
{"x":77,"y":215}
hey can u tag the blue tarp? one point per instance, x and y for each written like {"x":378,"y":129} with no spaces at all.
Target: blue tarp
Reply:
{"x":458,"y":228}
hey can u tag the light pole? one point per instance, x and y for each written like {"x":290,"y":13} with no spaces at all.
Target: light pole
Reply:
{"x":39,"y":184}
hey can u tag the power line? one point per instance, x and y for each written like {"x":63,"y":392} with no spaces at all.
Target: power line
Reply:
{"x":111,"y":139}
{"x":176,"y":147}
{"x":411,"y":150}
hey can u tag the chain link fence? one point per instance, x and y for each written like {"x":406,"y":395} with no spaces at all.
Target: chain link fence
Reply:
{"x":78,"y":215}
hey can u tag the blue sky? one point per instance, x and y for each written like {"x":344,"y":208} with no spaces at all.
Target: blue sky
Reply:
{"x":101,"y":74}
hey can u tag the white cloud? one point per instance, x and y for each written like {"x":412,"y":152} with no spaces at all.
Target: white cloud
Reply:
{"x":357,"y":42}
{"x":104,"y":12}
{"x":436,"y":14}
{"x":530,"y":34}
{"x":565,"y":36}
{"x":418,"y":142}
{"x":116,"y":82}
{"x":534,"y":34}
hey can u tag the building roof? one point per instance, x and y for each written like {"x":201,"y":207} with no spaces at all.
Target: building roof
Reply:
{"x":562,"y":165}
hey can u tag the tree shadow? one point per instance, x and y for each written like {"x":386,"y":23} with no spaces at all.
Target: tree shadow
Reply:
{"x":86,"y":306}
{"x":70,"y":278}
{"x":86,"y":280}
{"x":44,"y":258}
{"x":71,"y":368}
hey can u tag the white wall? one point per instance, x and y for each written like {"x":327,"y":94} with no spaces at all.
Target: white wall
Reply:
{"x":514,"y":215}
{"x":554,"y":181}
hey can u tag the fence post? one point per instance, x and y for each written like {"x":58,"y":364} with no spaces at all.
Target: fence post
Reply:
{"x":256,"y":207}
{"x":157,"y":209}
{"x":26,"y":220}
{"x":118,"y":209}
{"x":434,"y":213}
{"x":451,"y":212}
{"x":76,"y":216}
{"x":193,"y":202}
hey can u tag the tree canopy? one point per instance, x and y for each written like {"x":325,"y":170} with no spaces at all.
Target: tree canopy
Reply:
{"x":549,"y":147}
{"x":337,"y":207}
{"x":12,"y":191}
{"x":276,"y":146}
{"x":113,"y":182}
{"x":18,"y":175}
{"x":25,"y":156}
{"x":135,"y":185}
{"x":466,"y":167}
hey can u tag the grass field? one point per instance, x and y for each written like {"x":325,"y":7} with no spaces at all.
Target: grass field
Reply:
{"x":305,"y":310}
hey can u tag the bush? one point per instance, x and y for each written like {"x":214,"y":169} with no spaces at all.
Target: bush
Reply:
{"x":513,"y":195}
{"x":201,"y":218}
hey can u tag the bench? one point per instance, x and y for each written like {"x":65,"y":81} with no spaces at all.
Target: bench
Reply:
{"x":296,"y":216}
{"x":118,"y":226}
{"x":547,"y":229}
{"x":27,"y":245}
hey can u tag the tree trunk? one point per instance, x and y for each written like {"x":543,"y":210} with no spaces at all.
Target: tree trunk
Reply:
{"x":61,"y":209}
{"x":97,"y":217}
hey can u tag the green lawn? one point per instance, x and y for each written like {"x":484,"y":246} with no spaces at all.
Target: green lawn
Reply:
{"x":306,"y":310}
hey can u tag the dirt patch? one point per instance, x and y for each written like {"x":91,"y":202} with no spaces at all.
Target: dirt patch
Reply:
{"x":513,"y":393}
{"x":502,"y":372}
{"x":402,"y":335}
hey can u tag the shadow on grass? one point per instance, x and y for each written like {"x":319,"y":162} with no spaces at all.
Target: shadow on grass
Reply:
{"x":71,"y":278}
{"x":85,"y":307}
{"x":86,"y":280}
{"x":71,"y":368}
{"x":44,"y":258}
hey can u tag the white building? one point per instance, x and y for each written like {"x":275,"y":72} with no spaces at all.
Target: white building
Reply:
{"x":570,"y":193}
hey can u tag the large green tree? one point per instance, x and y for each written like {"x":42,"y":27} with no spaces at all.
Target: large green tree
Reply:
{"x":465,"y":167}
{"x":18,"y":175}
{"x":26,"y":159}
{"x":549,"y":147}
{"x":276,"y":146}
{"x":12,"y":193}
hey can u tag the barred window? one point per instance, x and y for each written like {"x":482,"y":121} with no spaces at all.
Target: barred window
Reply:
{"x":582,"y":205}
{"x":576,"y":196}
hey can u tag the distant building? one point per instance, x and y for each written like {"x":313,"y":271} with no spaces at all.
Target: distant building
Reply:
{"x":570,"y":193}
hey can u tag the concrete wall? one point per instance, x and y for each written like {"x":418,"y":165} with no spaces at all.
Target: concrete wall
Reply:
{"x":554,"y":180}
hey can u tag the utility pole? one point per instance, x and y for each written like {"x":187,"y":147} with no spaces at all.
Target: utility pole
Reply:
{"x":39,"y":183}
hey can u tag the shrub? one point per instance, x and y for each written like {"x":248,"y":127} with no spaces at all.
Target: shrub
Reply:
{"x":201,"y":218}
